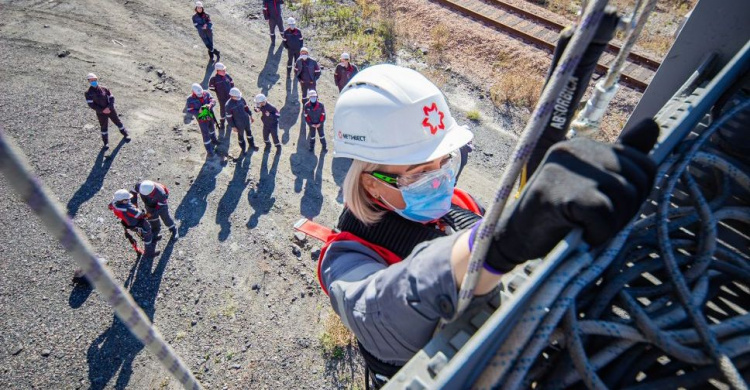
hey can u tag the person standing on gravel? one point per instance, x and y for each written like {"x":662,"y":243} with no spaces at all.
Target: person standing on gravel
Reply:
{"x":293,"y":42}
{"x":201,"y":104}
{"x":315,"y":117}
{"x":101,"y":100}
{"x":396,"y":265}
{"x":239,"y":118}
{"x":202,"y":22}
{"x":307,"y":72}
{"x":221,"y":83}
{"x":155,"y":196}
{"x":269,"y":115}
{"x":344,"y":72}
{"x":272,"y":13}
{"x":124,"y":207}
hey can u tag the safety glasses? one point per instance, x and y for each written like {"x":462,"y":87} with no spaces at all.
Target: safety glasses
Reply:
{"x":449,"y":164}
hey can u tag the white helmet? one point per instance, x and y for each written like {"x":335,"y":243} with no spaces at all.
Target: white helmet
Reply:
{"x":91,"y":76}
{"x":121,"y":195}
{"x":344,"y":56}
{"x":306,"y":50}
{"x":198,"y":4}
{"x":235,"y":92}
{"x":260,"y":98}
{"x":146,"y":187}
{"x":291,"y":21}
{"x":312,"y":93}
{"x":197,"y":89}
{"x":220,"y":66}
{"x":393,"y":115}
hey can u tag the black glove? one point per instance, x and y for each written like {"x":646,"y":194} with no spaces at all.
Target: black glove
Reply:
{"x":581,"y":183}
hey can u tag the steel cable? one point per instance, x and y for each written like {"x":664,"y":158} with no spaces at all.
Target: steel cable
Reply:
{"x":30,"y":189}
{"x":643,"y":297}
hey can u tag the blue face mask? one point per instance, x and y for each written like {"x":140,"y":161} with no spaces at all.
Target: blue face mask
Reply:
{"x":429,"y":197}
{"x":313,"y":99}
{"x":94,"y":83}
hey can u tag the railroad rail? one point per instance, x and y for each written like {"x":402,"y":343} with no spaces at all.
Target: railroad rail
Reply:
{"x":544,"y":33}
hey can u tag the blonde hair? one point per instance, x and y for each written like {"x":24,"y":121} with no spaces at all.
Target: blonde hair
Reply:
{"x":356,"y":198}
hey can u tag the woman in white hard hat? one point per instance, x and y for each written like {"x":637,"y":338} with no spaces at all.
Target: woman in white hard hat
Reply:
{"x":202,"y":22}
{"x":406,"y":233}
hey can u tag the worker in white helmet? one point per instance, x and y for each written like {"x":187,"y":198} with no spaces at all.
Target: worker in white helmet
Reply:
{"x":307,"y":72}
{"x":269,"y":115}
{"x":221,"y":83}
{"x":315,"y":117}
{"x":406,"y":233}
{"x":155,"y":197}
{"x":200,"y":104}
{"x":344,"y":72}
{"x":124,"y":207}
{"x":101,"y":100}
{"x":202,"y":22}
{"x":239,"y":118}
{"x":293,"y":42}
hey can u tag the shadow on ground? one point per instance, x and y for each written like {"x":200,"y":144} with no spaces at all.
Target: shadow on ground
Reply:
{"x":308,"y":171}
{"x":269,"y":75}
{"x":193,"y":205}
{"x":113,"y":352}
{"x":339,"y":168}
{"x":261,"y":197}
{"x":231,"y":197}
{"x":346,"y":370}
{"x":94,"y":181}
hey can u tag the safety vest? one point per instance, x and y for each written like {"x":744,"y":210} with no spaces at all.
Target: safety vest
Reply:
{"x":394,"y":237}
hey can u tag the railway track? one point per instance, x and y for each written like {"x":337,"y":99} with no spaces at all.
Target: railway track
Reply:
{"x":638,"y":72}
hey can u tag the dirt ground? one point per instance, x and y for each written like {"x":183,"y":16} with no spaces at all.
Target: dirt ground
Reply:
{"x":235,"y":297}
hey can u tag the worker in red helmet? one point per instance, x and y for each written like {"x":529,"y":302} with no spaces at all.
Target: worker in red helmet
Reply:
{"x":395,"y":265}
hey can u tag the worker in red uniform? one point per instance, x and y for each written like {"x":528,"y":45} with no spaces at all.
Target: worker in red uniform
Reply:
{"x":101,"y":100}
{"x":307,"y":71}
{"x":221,"y":83}
{"x":344,"y":72}
{"x":124,"y":207}
{"x":315,"y":117}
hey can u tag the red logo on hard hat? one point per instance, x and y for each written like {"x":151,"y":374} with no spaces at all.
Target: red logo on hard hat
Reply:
{"x":341,"y":135}
{"x":433,"y":118}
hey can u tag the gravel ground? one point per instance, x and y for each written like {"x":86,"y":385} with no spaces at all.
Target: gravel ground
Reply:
{"x":236,"y":297}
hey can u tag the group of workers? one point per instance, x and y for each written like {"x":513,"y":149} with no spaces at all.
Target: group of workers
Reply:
{"x":394,"y":265}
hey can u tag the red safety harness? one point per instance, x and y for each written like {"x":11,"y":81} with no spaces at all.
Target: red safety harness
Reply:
{"x":460,"y":199}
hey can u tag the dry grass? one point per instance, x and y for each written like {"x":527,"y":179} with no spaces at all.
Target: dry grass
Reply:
{"x":440,"y":39}
{"x":336,"y":337}
{"x":520,"y":88}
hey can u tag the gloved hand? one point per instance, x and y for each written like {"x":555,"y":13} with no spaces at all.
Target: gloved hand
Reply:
{"x":581,"y":183}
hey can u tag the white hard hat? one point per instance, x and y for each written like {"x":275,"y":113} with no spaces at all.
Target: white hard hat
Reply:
{"x":121,"y":195}
{"x":291,"y":21}
{"x":197,"y":89}
{"x":220,"y":66}
{"x":198,"y":4}
{"x":388,"y":114}
{"x":344,"y":56}
{"x":235,"y":92}
{"x":312,"y":93}
{"x":304,"y":49}
{"x":260,"y":98}
{"x":91,"y":76}
{"x":146,"y":187}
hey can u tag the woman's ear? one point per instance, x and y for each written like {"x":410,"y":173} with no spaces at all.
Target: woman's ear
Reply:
{"x":370,"y":184}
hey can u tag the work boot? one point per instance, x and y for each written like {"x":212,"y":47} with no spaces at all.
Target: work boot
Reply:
{"x":105,"y":146}
{"x":242,"y":147}
{"x":252,"y":144}
{"x":323,"y":146}
{"x":221,"y":124}
{"x":125,"y":134}
{"x":267,"y":148}
{"x":311,"y":146}
{"x":175,"y":234}
{"x":218,"y":55}
{"x":278,"y":147}
{"x":210,"y":55}
{"x":158,"y":237}
{"x":151,"y":250}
